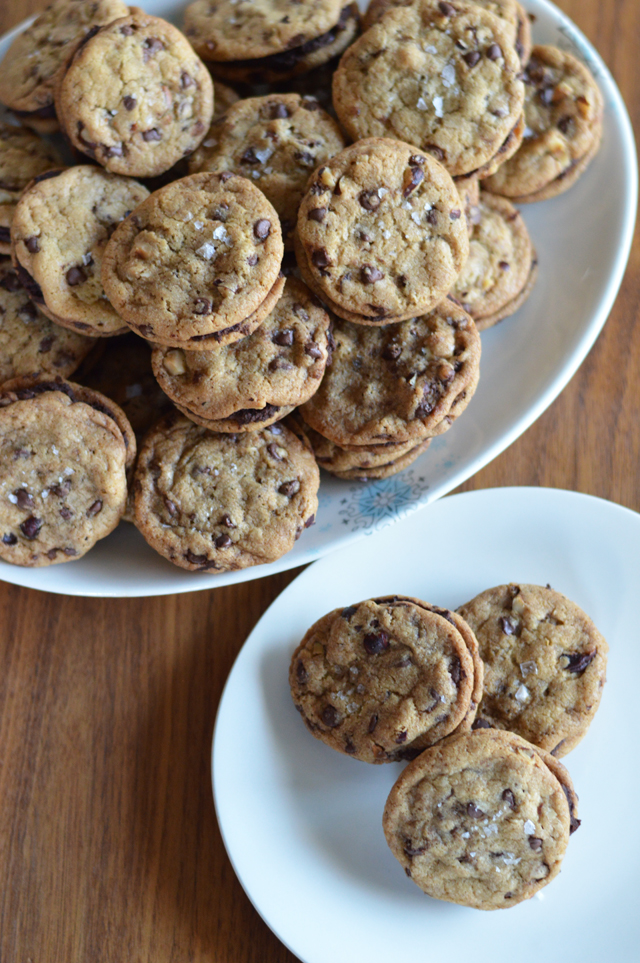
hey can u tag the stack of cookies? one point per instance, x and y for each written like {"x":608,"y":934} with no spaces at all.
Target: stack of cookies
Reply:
{"x":265,"y":266}
{"x":483,"y":702}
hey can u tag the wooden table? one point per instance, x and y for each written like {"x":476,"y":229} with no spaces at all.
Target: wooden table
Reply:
{"x":109,"y":847}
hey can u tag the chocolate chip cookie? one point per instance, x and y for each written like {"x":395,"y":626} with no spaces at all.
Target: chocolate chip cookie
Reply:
{"x":483,"y":819}
{"x":63,"y":483}
{"x":61,"y":226}
{"x":29,"y":342}
{"x":276,"y":141}
{"x":217,"y":502}
{"x":197,"y":262}
{"x":23,"y":155}
{"x":381,"y":234}
{"x":256,"y":381}
{"x":363,"y":462}
{"x":382,"y":679}
{"x":563,"y":116}
{"x":135,"y":97}
{"x":545,"y":664}
{"x":290,"y":62}
{"x":31,"y":66}
{"x":500,"y":263}
{"x":441,"y":76}
{"x":397,"y":383}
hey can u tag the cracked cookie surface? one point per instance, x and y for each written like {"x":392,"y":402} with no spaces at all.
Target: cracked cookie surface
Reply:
{"x":61,"y":227}
{"x":135,"y":97}
{"x":246,"y":385}
{"x":29,"y":342}
{"x":441,"y":76}
{"x":483,"y":819}
{"x":397,"y":383}
{"x":545,"y":664}
{"x":276,"y":141}
{"x":381,"y":232}
{"x":63,"y":485}
{"x":216,"y":502}
{"x":196,"y":259}
{"x":563,"y":117}
{"x":382,"y":679}
{"x":31,"y":66}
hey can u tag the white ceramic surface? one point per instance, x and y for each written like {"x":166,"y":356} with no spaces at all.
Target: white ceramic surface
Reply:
{"x":302,"y":823}
{"x":583,"y":240}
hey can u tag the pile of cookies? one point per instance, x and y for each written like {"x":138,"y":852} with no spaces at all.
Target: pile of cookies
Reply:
{"x":483,"y":702}
{"x":259,"y":257}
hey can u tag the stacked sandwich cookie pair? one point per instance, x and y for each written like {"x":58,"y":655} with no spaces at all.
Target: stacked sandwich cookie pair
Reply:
{"x":483,"y":811}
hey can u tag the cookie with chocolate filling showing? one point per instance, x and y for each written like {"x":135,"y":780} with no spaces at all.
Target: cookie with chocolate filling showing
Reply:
{"x":61,"y":227}
{"x":255,"y":381}
{"x":64,"y":452}
{"x":382,"y":679}
{"x":197,"y":263}
{"x":218,"y":502}
{"x":545,"y":664}
{"x":483,"y":819}
{"x":442,"y":76}
{"x":135,"y":97}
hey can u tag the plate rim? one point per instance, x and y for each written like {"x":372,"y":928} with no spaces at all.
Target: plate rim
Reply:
{"x":519,"y":492}
{"x":184,"y":582}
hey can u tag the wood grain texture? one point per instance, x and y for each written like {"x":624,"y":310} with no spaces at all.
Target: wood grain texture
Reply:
{"x":109,"y":848}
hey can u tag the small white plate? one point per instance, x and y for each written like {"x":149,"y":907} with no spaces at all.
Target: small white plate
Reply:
{"x":583,"y":239}
{"x":302,"y":823}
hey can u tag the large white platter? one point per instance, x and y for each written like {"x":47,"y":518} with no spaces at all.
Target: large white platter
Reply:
{"x":583,"y":240}
{"x":302,"y":823}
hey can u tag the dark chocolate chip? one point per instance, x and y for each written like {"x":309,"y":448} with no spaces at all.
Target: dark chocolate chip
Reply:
{"x":152,"y":134}
{"x":510,"y":625}
{"x":481,"y":724}
{"x":370,"y":200}
{"x":373,"y":722}
{"x":31,"y":527}
{"x":66,"y":512}
{"x":455,"y":670}
{"x":301,"y":673}
{"x":223,"y":541}
{"x":307,"y":159}
{"x":129,"y":102}
{"x":75,"y":275}
{"x":565,"y":124}
{"x":412,"y":178}
{"x":202,"y":306}
{"x":202,"y":561}
{"x":472,"y":58}
{"x":349,"y":611}
{"x":577,"y":662}
{"x":186,"y":80}
{"x":447,"y":9}
{"x":455,"y":214}
{"x":320,"y":257}
{"x":115,"y":150}
{"x":9,"y":539}
{"x":150,"y":47}
{"x":24,"y":500}
{"x":474,"y":811}
{"x":494,"y":52}
{"x":277,"y":111}
{"x":310,"y":521}
{"x":401,"y":737}
{"x":391,"y":352}
{"x":94,"y":509}
{"x":330,"y":716}
{"x":410,"y":850}
{"x":170,"y":506}
{"x":417,"y":159}
{"x":283,"y":338}
{"x":370,"y":274}
{"x":509,"y":798}
{"x":32,"y":244}
{"x":289,"y":488}
{"x":317,"y":214}
{"x":45,"y":345}
{"x":313,"y":350}
{"x":273,"y":451}
{"x":376,"y":642}
{"x":262,"y":229}
{"x":504,"y":266}
{"x":536,"y":843}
